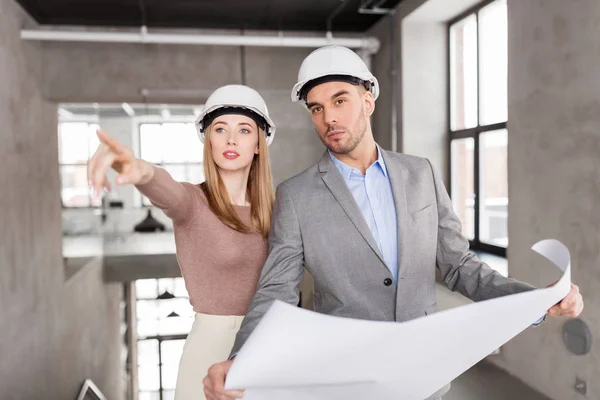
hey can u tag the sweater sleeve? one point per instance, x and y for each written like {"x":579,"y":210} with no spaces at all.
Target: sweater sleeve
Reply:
{"x":175,"y":199}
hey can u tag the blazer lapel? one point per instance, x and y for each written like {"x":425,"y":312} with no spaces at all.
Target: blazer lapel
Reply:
{"x":335,"y":183}
{"x":397,"y":174}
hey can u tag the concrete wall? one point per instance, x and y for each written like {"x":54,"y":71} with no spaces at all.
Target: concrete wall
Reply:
{"x":54,"y":333}
{"x":554,"y":175}
{"x":424,"y":87}
{"x":381,"y":120}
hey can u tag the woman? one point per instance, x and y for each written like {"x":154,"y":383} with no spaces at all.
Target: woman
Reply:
{"x":221,"y":226}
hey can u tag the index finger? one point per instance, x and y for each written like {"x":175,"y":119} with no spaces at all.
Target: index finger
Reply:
{"x":111,"y":142}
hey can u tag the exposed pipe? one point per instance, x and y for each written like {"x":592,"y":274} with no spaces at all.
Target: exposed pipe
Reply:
{"x":370,"y":44}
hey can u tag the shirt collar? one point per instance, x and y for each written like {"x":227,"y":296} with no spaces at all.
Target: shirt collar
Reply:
{"x":347,"y":170}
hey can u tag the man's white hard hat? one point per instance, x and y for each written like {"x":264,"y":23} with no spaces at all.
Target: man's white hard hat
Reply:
{"x":333,"y":63}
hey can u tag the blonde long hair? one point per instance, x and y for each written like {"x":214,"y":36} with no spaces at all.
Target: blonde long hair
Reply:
{"x":259,"y":189}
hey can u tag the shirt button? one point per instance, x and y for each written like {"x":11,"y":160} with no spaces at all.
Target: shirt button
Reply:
{"x":387,"y":281}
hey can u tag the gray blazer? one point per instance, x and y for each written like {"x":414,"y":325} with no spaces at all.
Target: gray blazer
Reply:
{"x":317,"y":225}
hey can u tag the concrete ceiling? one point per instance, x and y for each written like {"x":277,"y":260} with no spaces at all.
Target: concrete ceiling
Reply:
{"x":284,"y":15}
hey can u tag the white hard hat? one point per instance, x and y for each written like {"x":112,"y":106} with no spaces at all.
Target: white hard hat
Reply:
{"x":333,"y":63}
{"x":236,"y":99}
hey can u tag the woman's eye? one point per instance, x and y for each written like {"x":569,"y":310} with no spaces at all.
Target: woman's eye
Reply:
{"x":219,"y":130}
{"x":245,"y":131}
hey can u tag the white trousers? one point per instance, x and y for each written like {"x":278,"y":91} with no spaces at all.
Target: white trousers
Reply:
{"x":209,"y":342}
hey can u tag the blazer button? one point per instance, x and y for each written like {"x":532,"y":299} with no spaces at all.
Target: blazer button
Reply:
{"x":387,"y":281}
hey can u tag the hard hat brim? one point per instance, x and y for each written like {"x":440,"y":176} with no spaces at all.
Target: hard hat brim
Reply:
{"x":296,"y":90}
{"x":269,"y":133}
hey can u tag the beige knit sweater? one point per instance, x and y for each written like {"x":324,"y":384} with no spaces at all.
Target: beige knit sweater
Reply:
{"x":220,"y":266}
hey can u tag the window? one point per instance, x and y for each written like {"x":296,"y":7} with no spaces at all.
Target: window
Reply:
{"x":478,"y":59}
{"x":77,"y":142}
{"x":175,"y":147}
{"x":164,"y":318}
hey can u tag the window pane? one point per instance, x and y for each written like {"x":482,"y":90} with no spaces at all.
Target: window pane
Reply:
{"x":173,"y":148}
{"x":493,"y":63}
{"x":149,"y":396}
{"x":147,"y":309}
{"x":175,"y":326}
{"x":73,"y":142}
{"x":147,"y":328}
{"x":148,"y":378}
{"x":147,"y":352}
{"x":74,"y":191}
{"x":181,"y":324}
{"x":168,"y":395}
{"x":146,"y":289}
{"x":166,"y":284}
{"x":171,"y":351}
{"x":153,"y":317}
{"x":181,"y":143}
{"x":463,"y":188}
{"x":176,"y":147}
{"x":178,"y":172}
{"x":195,"y":173}
{"x":181,"y":306}
{"x":169,"y":376}
{"x":151,"y":143}
{"x":493,"y":182}
{"x":193,"y":144}
{"x":93,"y":141}
{"x":180,"y":290}
{"x":171,"y":354}
{"x":463,"y":73}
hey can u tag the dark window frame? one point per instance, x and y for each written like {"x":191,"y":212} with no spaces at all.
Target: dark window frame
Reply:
{"x":474,"y":133}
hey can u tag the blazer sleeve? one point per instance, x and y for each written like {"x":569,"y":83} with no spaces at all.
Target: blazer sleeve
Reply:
{"x":283,"y":270}
{"x":460,"y":269}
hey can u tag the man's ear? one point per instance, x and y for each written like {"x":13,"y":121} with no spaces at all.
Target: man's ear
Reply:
{"x":369,"y":102}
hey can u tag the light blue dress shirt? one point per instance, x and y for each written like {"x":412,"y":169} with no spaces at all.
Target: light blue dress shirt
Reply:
{"x":373,"y":195}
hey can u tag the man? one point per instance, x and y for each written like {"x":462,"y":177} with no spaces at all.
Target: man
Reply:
{"x":370,"y":225}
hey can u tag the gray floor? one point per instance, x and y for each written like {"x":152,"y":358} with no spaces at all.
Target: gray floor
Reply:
{"x":487,"y":382}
